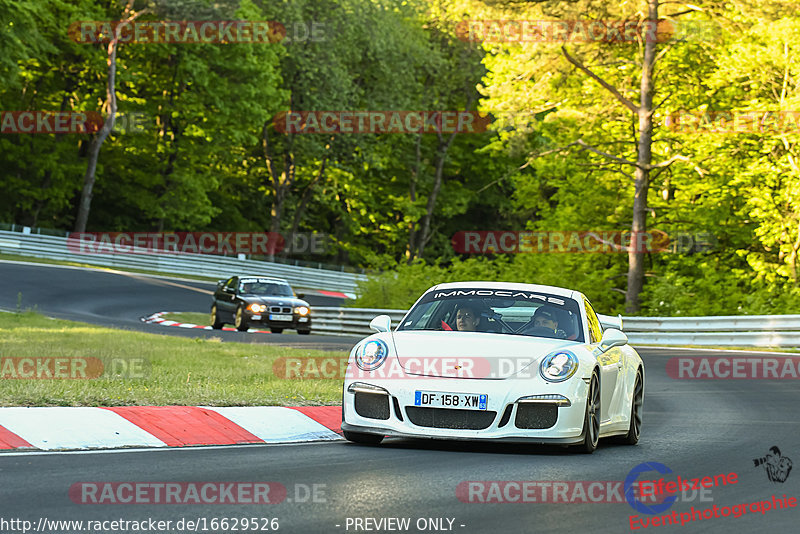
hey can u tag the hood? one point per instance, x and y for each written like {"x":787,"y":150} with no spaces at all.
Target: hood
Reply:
{"x":470,"y":354}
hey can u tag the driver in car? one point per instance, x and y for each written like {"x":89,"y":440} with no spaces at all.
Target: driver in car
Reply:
{"x":545,"y":317}
{"x":544,"y":323}
{"x":467,"y":318}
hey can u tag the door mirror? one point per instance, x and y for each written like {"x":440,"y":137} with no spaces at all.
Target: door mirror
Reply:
{"x":381,"y":323}
{"x":612,"y":338}
{"x":301,"y":295}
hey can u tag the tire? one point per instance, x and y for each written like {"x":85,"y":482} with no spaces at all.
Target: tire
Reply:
{"x":635,"y":429}
{"x":364,"y":439}
{"x":240,"y":321}
{"x":591,"y":421}
{"x":304,"y":332}
{"x":276,"y":330}
{"x":216,"y":324}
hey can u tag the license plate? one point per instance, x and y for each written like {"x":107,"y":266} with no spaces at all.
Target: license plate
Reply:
{"x":275,"y":317}
{"x":438,"y":399}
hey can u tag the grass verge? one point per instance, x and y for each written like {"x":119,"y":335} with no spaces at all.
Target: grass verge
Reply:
{"x":189,"y":317}
{"x":176,"y":370}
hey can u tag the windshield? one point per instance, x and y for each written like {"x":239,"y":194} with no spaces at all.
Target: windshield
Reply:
{"x":257,"y":287}
{"x":497,"y":311}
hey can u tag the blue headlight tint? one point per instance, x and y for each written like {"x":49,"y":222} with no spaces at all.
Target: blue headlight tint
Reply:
{"x":371,"y":354}
{"x":558,"y":366}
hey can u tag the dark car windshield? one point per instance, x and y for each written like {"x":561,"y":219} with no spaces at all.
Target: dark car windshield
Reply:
{"x":254,"y":287}
{"x":498,"y":311}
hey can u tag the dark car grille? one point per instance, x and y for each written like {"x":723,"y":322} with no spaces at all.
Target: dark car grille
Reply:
{"x":372,"y":405}
{"x":450,"y":418}
{"x":278,"y":309}
{"x":536,"y":415}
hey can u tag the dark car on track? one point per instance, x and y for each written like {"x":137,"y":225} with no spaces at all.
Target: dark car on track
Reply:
{"x":247,"y":301}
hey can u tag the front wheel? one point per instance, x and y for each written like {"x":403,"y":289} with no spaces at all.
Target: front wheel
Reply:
{"x":240,"y":321}
{"x":304,"y":332}
{"x":216,"y":324}
{"x":360,"y":437}
{"x":635,"y":428}
{"x":591,"y":422}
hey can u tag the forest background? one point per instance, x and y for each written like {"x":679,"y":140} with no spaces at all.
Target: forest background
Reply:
{"x":577,"y":141}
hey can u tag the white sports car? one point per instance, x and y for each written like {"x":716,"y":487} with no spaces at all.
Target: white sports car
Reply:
{"x":496,"y":361}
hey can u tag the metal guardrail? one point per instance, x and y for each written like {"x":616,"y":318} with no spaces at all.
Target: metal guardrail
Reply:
{"x":730,"y":331}
{"x":55,"y":248}
{"x":722,"y":330}
{"x":348,"y":321}
{"x":718,"y":323}
{"x":722,"y":339}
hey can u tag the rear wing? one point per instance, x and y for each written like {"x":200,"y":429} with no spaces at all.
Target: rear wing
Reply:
{"x":609,"y":321}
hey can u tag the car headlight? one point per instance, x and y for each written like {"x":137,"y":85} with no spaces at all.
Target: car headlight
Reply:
{"x":301,"y":310}
{"x":257,"y":308}
{"x":371,"y":355}
{"x":558,"y":366}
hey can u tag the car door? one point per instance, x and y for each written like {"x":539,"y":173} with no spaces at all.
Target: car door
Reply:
{"x":610,"y":364}
{"x":227,"y":297}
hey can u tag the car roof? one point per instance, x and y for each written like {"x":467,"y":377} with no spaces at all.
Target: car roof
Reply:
{"x":553,"y":290}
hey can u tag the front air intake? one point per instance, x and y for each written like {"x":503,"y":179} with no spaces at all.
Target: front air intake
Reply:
{"x":372,"y":405}
{"x":536,"y":415}
{"x":450,"y":418}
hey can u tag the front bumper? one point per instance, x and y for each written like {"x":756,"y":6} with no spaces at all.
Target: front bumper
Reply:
{"x":390,"y":411}
{"x":297,"y":322}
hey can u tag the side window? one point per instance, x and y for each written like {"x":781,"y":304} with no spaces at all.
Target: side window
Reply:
{"x":231,"y":284}
{"x":595,"y":332}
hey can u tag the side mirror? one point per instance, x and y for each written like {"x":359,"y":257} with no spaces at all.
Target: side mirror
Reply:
{"x":301,"y":295}
{"x":612,"y":338}
{"x":381,"y":323}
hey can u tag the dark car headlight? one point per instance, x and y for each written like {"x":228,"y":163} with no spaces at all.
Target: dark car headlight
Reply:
{"x":257,"y":308}
{"x":371,"y":355}
{"x":301,"y":310}
{"x":558,"y":366}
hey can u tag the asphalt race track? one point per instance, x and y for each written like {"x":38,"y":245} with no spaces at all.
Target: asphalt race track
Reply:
{"x":697,"y":428}
{"x":119,"y":300}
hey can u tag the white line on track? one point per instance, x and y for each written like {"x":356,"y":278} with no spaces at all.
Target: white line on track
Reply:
{"x":106,"y":270}
{"x":161,"y":277}
{"x":162,"y":449}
